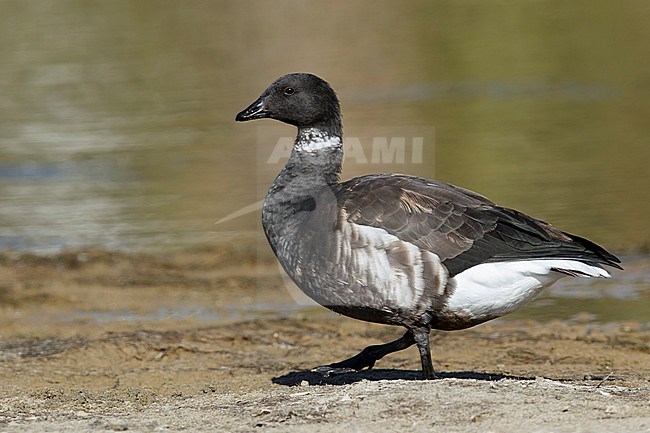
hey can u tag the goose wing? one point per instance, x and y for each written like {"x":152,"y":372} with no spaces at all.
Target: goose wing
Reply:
{"x":461,"y":227}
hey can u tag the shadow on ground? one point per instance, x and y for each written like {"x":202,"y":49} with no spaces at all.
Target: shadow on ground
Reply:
{"x":295,"y":378}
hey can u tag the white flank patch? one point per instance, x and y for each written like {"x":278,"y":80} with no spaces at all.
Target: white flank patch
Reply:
{"x":369,"y":254}
{"x":312,"y":139}
{"x":491,"y":290}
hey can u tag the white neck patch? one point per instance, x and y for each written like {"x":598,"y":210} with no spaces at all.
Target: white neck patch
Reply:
{"x":312,"y":139}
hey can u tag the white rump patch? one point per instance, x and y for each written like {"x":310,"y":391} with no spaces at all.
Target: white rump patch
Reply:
{"x":491,"y":290}
{"x":312,"y":139}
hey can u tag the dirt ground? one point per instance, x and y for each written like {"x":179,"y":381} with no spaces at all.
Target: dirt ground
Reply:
{"x":208,"y":340}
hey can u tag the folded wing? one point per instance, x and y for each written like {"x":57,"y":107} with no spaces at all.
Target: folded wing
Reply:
{"x":461,"y":227}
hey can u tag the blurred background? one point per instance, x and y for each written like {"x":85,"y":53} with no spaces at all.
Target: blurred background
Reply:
{"x":117,"y":117}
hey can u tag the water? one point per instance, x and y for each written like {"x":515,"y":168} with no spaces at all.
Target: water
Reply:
{"x":117,"y":117}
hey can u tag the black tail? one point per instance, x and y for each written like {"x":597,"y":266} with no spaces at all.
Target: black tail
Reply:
{"x":604,"y":256}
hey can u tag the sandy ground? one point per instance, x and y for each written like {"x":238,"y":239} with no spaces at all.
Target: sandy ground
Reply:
{"x":99,"y":341}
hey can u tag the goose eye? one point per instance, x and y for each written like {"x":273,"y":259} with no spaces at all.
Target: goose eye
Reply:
{"x":289,"y":91}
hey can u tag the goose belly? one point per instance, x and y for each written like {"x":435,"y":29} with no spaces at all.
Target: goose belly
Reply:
{"x":366,"y":273}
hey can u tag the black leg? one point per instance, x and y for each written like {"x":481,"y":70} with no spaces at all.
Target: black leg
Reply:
{"x":368,"y":356}
{"x":421,"y":337}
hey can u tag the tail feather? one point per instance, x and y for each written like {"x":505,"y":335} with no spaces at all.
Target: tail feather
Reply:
{"x":604,"y":256}
{"x":576,"y":268}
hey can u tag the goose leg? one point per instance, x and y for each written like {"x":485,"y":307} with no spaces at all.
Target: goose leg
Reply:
{"x":368,"y":356}
{"x":421,"y":337}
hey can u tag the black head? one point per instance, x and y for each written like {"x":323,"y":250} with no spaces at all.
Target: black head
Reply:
{"x":302,"y":100}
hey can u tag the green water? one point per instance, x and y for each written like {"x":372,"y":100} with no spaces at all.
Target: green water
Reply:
{"x":118,"y":116}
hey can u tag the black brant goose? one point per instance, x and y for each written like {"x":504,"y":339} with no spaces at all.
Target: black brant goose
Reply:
{"x":398,"y":249}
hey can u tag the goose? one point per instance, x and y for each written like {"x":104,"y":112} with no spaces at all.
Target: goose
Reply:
{"x":398,"y":249}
